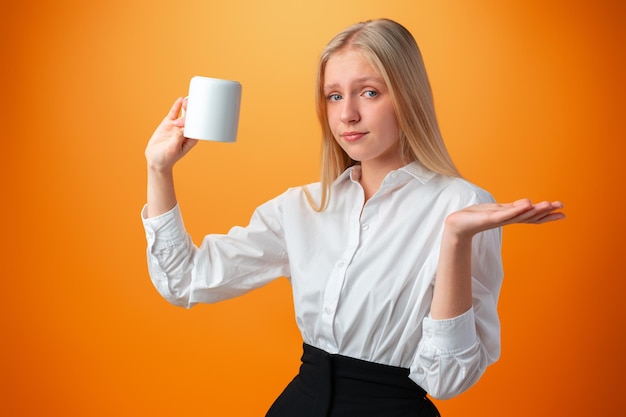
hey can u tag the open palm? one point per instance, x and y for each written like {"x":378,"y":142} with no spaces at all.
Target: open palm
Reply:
{"x":481,"y":217}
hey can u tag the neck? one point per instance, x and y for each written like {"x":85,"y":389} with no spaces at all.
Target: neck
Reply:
{"x":372,"y":177}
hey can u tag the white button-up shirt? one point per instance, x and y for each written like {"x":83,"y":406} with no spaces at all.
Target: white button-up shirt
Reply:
{"x":362,"y":273}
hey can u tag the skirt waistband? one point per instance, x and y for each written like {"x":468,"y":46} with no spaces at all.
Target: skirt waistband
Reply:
{"x":344,"y":370}
{"x":331,"y":385}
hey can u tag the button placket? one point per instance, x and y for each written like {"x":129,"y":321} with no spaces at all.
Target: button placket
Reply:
{"x":332,"y":292}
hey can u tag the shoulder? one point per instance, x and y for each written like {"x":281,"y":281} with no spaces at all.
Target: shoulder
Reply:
{"x":443,"y":187}
{"x":296,"y":196}
{"x":459,"y":192}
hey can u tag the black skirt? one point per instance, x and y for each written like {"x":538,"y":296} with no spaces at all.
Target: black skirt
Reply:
{"x":338,"y":386}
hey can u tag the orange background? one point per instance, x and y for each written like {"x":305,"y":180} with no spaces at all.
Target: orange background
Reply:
{"x":529,"y":95}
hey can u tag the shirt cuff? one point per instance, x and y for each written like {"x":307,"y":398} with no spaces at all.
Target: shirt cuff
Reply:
{"x":166,"y":227}
{"x":451,"y":335}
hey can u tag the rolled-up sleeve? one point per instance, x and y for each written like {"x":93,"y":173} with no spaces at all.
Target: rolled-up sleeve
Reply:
{"x":223,"y":266}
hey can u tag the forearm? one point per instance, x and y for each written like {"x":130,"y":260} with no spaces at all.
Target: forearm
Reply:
{"x":459,"y":341}
{"x":161,"y":196}
{"x":452,"y":294}
{"x":223,"y":266}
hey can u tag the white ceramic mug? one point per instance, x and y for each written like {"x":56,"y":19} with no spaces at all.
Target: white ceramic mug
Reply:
{"x":212,"y":109}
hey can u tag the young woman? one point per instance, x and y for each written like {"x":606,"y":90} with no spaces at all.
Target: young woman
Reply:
{"x":394,"y":259}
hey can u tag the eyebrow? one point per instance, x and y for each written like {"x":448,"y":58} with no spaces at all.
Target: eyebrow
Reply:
{"x":357,"y":81}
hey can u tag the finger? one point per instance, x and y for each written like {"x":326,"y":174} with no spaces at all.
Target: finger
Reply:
{"x":544,"y":215}
{"x":188,"y":144}
{"x":539,"y":209}
{"x":557,"y":205}
{"x":516,"y":208}
{"x":551,"y":217}
{"x":175,"y":109}
{"x":548,"y":205}
{"x":180,"y":122}
{"x":529,"y":215}
{"x":524,"y":202}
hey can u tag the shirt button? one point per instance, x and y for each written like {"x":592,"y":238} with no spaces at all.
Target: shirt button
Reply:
{"x":328,"y":310}
{"x":365,"y":226}
{"x":340,"y":264}
{"x":420,"y":371}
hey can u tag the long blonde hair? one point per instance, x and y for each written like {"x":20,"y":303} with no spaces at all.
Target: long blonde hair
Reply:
{"x":392,"y":50}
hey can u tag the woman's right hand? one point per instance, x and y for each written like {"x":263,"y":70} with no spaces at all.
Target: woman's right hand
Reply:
{"x":167,"y":144}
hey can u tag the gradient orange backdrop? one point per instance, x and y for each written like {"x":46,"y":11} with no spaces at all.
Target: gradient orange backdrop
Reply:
{"x":529,"y":95}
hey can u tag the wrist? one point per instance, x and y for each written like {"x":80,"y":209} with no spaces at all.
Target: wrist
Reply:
{"x":452,"y":236}
{"x":157,"y":170}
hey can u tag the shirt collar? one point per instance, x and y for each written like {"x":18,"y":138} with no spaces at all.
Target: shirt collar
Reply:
{"x":414,"y":169}
{"x":420,"y":172}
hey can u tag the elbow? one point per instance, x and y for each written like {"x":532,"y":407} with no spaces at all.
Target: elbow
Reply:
{"x":179,"y":302}
{"x":449,"y":376}
{"x":448,"y":388}
{"x":177,"y":295}
{"x":171,"y":276}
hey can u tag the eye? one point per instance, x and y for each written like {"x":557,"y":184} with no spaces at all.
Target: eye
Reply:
{"x":334,"y":97}
{"x":370,"y":93}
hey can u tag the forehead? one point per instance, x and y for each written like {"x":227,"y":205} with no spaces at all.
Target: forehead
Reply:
{"x":347,"y":66}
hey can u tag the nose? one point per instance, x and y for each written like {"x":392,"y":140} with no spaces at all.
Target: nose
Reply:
{"x":349,"y":111}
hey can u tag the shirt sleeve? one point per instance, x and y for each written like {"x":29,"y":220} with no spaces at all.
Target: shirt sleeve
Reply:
{"x":223,"y":266}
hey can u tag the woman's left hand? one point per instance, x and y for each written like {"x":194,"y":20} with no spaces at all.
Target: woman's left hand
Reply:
{"x":480,"y":217}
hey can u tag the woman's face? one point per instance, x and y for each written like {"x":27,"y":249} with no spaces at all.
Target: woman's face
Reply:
{"x":360,"y":111}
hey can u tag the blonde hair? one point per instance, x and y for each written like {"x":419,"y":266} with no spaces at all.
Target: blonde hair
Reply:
{"x":391,"y":49}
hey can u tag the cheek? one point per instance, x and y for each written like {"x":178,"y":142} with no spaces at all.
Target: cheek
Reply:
{"x":391,"y":124}
{"x":332,"y":123}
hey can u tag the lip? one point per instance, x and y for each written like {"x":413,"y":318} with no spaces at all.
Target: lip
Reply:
{"x":352,"y":136}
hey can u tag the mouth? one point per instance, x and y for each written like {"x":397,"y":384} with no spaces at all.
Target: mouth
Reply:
{"x":352,"y":136}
